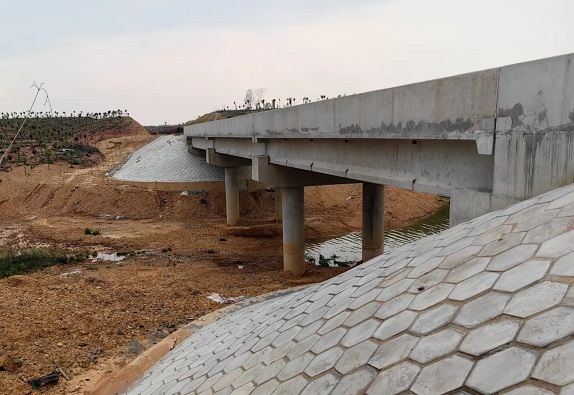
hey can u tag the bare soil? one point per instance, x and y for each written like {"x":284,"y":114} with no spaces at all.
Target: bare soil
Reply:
{"x":92,"y":322}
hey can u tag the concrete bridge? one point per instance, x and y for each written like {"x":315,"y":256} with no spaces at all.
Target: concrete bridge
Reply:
{"x":486,"y":139}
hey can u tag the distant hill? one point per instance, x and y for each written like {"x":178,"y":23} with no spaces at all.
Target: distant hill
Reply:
{"x":215,"y":115}
{"x":59,"y":139}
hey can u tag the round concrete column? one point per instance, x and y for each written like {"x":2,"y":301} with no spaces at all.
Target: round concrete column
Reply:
{"x":278,"y":205}
{"x":231,"y":195}
{"x":293,"y":230}
{"x":373,"y":220}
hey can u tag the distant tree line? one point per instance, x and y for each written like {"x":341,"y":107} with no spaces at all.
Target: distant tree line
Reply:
{"x":63,"y":114}
{"x":254,"y":100}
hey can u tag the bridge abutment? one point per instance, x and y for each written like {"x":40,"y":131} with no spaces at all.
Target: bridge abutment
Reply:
{"x":373,"y":220}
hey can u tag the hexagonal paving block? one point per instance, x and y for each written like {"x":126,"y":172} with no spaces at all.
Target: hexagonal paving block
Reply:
{"x":329,"y":340}
{"x":394,"y":380}
{"x":522,"y":275}
{"x":460,"y":257}
{"x":555,"y":366}
{"x":393,"y":351}
{"x":529,"y":390}
{"x":530,"y":220}
{"x":489,"y":336}
{"x":548,"y":230}
{"x":567,"y":211}
{"x":560,"y":245}
{"x":394,"y":306}
{"x":334,"y":322}
{"x":564,"y":266}
{"x":321,"y":386}
{"x":442,"y":376}
{"x":503,"y":244}
{"x":362,"y":314}
{"x":467,"y":270}
{"x":263,"y":389}
{"x":436,"y":345}
{"x":291,"y":387}
{"x":428,"y":280}
{"x":269,"y":372}
{"x":548,"y":327}
{"x":493,"y":235}
{"x":396,"y":289}
{"x":356,"y":356}
{"x":488,"y":226}
{"x":360,"y":332}
{"x":324,"y":361}
{"x":561,"y":201}
{"x":536,"y":298}
{"x":395,"y":325}
{"x":432,"y":296}
{"x":512,"y":257}
{"x":425,"y":267}
{"x":482,"y":309}
{"x":356,"y":383}
{"x":434,"y":318}
{"x":295,"y":366}
{"x":501,"y":370}
{"x":473,"y":286}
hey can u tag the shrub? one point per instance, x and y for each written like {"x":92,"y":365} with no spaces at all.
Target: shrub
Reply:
{"x":14,"y":262}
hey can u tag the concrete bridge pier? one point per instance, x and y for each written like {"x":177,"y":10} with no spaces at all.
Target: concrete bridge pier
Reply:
{"x":373,"y":220}
{"x":293,"y":230}
{"x":278,"y":205}
{"x":230,"y":164}
{"x":231,"y":195}
{"x":291,"y":182}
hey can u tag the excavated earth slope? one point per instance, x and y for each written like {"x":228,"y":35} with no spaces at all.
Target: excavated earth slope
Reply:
{"x":486,"y":307}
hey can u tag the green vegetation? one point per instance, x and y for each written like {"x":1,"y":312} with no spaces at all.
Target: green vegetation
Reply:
{"x":220,"y":114}
{"x":49,"y":138}
{"x":14,"y":262}
{"x":332,"y":261}
{"x":94,"y":232}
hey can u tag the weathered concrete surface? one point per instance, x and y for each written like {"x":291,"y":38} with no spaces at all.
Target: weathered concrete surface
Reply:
{"x":373,"y":221}
{"x":453,"y":313}
{"x":492,"y":137}
{"x":167,"y":164}
{"x":167,"y":159}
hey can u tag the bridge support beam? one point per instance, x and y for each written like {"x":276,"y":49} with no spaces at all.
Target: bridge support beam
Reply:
{"x":231,"y":195}
{"x":373,"y":220}
{"x":293,"y":230}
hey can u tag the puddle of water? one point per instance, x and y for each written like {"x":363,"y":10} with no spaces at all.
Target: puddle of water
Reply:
{"x":348,"y":248}
{"x":110,"y":257}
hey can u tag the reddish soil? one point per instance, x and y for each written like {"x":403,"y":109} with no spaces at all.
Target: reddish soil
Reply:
{"x":84,"y":322}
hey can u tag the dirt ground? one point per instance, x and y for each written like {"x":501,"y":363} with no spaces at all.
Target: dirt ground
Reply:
{"x":92,"y":318}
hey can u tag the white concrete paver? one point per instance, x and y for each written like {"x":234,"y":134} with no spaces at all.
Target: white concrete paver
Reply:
{"x":167,"y":159}
{"x":487,"y":305}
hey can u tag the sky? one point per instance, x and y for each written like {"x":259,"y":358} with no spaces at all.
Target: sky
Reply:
{"x":173,"y":60}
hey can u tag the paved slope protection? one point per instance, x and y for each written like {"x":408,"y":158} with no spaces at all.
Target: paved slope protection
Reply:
{"x":167,"y":159}
{"x":486,"y":307}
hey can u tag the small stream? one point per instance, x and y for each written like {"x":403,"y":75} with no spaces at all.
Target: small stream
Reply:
{"x":348,"y":248}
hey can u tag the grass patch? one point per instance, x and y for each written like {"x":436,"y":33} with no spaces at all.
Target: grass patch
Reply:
{"x":14,"y":262}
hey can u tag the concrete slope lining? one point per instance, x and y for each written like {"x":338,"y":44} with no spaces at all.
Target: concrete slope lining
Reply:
{"x":167,"y":159}
{"x":486,"y":307}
